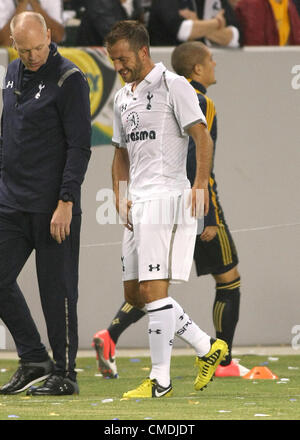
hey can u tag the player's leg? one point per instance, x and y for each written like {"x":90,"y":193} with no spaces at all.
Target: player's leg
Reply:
{"x":188,"y":331}
{"x":226,"y":307}
{"x":209,"y":351}
{"x":125,"y":316}
{"x":219,"y":258}
{"x":57,"y":272}
{"x":15,"y":248}
{"x":104,"y":341}
{"x":153,"y":240}
{"x":161,"y":329}
{"x":225,"y":316}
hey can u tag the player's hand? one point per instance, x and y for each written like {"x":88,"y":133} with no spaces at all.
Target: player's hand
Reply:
{"x":200,"y":202}
{"x":221,"y":19}
{"x":209,"y":233}
{"x":61,"y":221}
{"x":123,"y":209}
{"x":187,"y":14}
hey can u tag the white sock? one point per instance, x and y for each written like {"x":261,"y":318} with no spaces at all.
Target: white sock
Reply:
{"x":188,"y":331}
{"x":161,"y":330}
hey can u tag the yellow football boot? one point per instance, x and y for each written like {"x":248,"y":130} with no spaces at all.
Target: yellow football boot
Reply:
{"x":208,"y":364}
{"x":149,"y":388}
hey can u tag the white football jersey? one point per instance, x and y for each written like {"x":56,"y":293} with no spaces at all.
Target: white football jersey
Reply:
{"x":152,"y":122}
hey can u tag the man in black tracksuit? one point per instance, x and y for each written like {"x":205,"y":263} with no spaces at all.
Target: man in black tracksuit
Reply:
{"x":45,"y":149}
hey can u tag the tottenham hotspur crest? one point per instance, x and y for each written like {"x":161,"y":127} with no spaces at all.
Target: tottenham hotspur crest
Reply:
{"x":149,"y":97}
{"x":41,"y":87}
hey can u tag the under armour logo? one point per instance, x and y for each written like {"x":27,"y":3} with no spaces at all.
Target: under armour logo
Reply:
{"x":10,"y":85}
{"x":123,"y":108}
{"x":149,"y":97}
{"x":41,"y":87}
{"x":151,"y":268}
{"x":157,"y":331}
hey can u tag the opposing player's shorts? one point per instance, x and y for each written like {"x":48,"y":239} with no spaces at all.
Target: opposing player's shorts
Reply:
{"x":162,"y":243}
{"x":216,"y":256}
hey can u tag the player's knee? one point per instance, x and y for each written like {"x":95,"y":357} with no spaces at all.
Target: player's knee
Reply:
{"x":228,"y":277}
{"x":132,"y":294}
{"x":153,"y":290}
{"x":135,"y":302}
{"x":145,"y":291}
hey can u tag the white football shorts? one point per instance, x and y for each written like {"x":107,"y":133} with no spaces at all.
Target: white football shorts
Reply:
{"x":162,"y":243}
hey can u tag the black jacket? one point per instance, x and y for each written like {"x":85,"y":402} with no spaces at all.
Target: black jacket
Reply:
{"x":165,"y":21}
{"x":99,"y":18}
{"x":46,"y":135}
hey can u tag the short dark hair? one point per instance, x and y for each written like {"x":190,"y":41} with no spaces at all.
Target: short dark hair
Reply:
{"x":133,"y":31}
{"x":187,"y":55}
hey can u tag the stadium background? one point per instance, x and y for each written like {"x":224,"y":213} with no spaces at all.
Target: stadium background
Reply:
{"x":257,"y":168}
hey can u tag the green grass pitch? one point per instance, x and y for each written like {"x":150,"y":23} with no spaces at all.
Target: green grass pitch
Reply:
{"x":223,"y":399}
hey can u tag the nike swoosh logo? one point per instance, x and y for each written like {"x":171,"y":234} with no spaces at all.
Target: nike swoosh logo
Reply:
{"x":159,"y":394}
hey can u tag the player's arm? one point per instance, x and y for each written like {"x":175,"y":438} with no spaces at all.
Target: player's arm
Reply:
{"x":203,"y":28}
{"x":223,"y":37}
{"x":5,"y":40}
{"x":120,"y":180}
{"x":211,"y":222}
{"x":57,"y":28}
{"x":75,"y":117}
{"x":204,"y":149}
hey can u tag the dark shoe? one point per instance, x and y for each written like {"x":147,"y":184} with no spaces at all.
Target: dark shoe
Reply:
{"x":26,"y":375}
{"x":55,"y":386}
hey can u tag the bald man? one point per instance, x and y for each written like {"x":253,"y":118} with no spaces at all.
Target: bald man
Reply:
{"x":45,"y":150}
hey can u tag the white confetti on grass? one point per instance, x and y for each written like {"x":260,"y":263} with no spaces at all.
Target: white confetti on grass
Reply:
{"x":283,"y":380}
{"x":107,"y":400}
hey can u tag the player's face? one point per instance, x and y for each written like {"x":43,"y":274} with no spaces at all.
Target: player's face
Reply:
{"x":208,"y":70}
{"x":127,"y":62}
{"x":33,"y":47}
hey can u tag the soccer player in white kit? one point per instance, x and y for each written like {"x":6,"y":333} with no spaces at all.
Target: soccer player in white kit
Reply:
{"x":154,"y":113}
